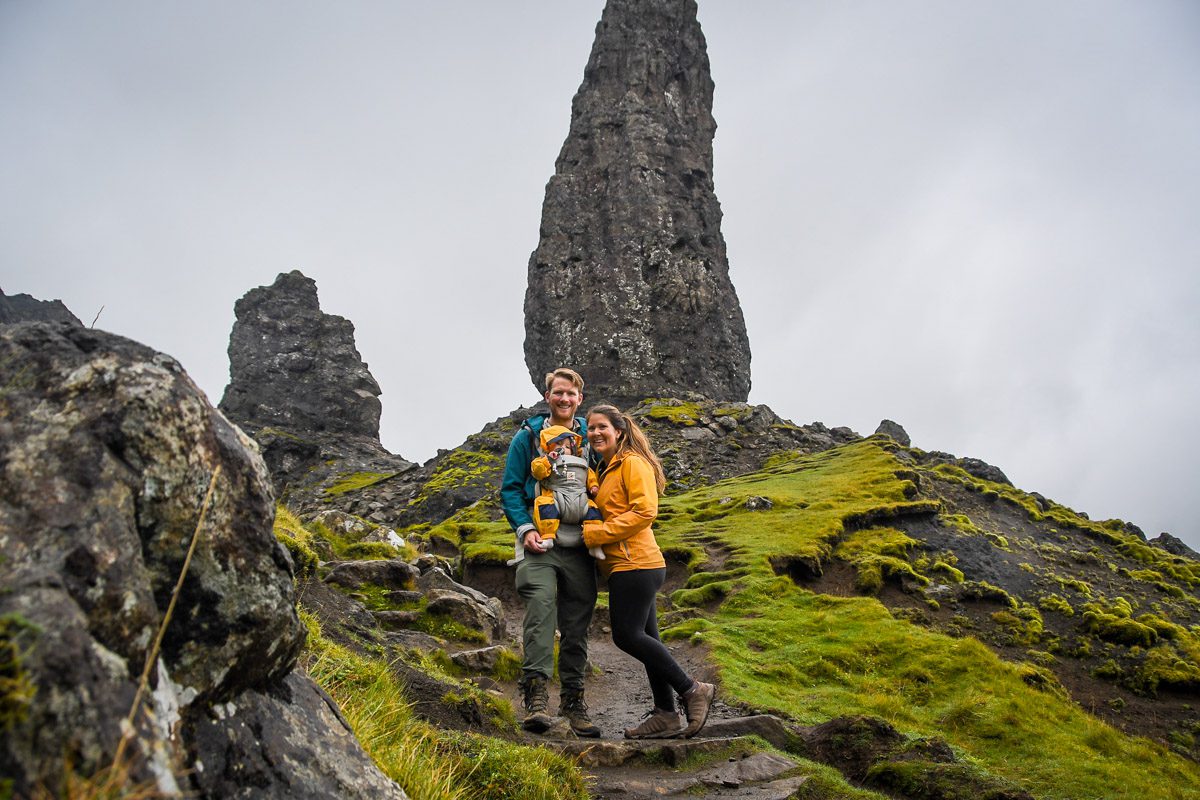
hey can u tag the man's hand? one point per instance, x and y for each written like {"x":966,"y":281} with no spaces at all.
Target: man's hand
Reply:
{"x":533,"y":542}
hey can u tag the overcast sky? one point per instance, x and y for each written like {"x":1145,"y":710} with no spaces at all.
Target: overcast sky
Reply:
{"x":979,"y":219}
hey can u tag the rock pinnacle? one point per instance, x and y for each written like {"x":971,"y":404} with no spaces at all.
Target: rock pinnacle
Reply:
{"x":630,"y":281}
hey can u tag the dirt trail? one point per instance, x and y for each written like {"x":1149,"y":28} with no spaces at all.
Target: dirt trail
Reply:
{"x":618,"y":697}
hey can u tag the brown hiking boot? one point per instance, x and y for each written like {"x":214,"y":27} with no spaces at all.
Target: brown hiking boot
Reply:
{"x":572,"y":707}
{"x":697,"y":702}
{"x":659,"y":724}
{"x":536,"y":699}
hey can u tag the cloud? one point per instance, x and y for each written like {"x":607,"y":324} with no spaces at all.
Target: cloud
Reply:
{"x":976,"y":220}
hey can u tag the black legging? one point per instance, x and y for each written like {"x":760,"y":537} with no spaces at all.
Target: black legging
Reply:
{"x":634,"y":620}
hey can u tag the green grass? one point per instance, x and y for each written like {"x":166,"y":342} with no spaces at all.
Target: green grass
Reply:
{"x":427,"y":762}
{"x":813,"y":657}
{"x":674,"y":411}
{"x":17,"y":636}
{"x":304,"y":540}
{"x":353,"y":481}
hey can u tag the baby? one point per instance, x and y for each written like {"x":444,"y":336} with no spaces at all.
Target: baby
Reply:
{"x":567,"y":486}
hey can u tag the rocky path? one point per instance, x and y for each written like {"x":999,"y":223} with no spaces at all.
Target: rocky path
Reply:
{"x":720,"y":763}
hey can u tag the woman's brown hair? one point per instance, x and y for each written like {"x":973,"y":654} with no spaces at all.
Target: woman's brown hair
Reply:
{"x":632,"y":438}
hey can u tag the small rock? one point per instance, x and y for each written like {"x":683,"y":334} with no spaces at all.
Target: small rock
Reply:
{"x":759,"y":503}
{"x":466,"y":611}
{"x":395,"y":620}
{"x":1174,"y":545}
{"x":697,"y":434}
{"x":482,"y":660}
{"x":426,"y":562}
{"x":390,"y":573}
{"x":984,"y":470}
{"x":438,"y":579}
{"x":894,"y":430}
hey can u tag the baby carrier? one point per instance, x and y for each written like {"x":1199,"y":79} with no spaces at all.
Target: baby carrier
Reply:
{"x":565,"y":480}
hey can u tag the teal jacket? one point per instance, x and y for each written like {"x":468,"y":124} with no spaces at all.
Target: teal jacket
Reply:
{"x":519,"y":487}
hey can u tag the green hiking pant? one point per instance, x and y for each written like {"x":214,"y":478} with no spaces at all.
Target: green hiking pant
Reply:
{"x":559,"y":590}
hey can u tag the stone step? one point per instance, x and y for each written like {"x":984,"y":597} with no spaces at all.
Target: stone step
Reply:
{"x":646,"y":768}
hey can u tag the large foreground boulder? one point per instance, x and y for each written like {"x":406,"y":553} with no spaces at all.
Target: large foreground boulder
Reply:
{"x":107,"y":451}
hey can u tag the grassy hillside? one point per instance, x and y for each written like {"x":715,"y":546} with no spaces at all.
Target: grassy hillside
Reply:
{"x":814,"y":656}
{"x":869,"y":580}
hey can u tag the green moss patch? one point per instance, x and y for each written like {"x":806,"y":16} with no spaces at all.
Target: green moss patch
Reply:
{"x":354,"y":481}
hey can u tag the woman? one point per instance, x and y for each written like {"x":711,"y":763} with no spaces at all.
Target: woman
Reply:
{"x":631,"y":477}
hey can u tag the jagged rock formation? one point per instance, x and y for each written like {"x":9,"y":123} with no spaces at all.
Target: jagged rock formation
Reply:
{"x":107,"y":450}
{"x":25,"y":308}
{"x":630,"y":280}
{"x":1174,"y":545}
{"x":299,"y":386}
{"x":294,"y":367}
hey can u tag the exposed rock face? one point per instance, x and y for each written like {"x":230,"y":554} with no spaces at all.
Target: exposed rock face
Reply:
{"x":107,"y":449}
{"x":296,"y":368}
{"x":1174,"y":545}
{"x":300,"y":388}
{"x":893,"y":429}
{"x":630,"y":281}
{"x":25,"y":308}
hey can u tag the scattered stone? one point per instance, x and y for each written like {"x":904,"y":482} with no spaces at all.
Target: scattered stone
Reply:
{"x":438,"y":579}
{"x":984,"y":470}
{"x":1129,"y":527}
{"x":403,"y":596}
{"x":390,"y":573}
{"x":487,"y":618}
{"x":396,"y":620}
{"x":894,"y":430}
{"x":770,"y":728}
{"x":755,"y":768}
{"x":482,"y":660}
{"x":426,"y":562}
{"x":759,"y":503}
{"x":631,"y":215}
{"x":1174,"y":545}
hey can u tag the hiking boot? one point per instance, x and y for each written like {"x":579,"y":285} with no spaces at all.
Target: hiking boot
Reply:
{"x":575,"y":710}
{"x":536,"y":699}
{"x":697,"y":701}
{"x":659,"y":724}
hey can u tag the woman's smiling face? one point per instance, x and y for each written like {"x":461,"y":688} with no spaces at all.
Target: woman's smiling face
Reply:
{"x":602,"y":435}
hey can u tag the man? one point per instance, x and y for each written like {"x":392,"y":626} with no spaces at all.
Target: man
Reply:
{"x":557,"y":580}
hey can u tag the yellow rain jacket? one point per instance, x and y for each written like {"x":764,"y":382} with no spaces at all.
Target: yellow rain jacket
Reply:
{"x":628,"y":499}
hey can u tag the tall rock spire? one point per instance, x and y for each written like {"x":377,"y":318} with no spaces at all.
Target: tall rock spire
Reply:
{"x":630,"y":282}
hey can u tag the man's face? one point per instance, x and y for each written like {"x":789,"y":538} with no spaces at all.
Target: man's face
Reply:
{"x":564,"y":399}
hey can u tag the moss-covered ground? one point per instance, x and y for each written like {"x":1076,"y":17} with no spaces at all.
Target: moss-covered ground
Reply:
{"x":430,"y":763}
{"x":815,"y":657}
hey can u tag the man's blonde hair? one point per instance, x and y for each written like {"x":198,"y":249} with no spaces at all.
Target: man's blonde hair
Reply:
{"x":566,"y":374}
